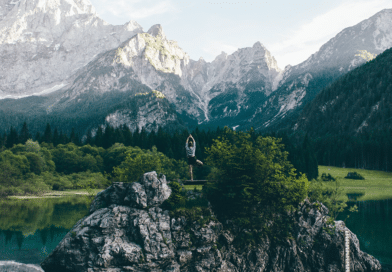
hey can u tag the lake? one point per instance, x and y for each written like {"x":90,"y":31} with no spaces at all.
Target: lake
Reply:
{"x":373,"y":227}
{"x":30,"y":229}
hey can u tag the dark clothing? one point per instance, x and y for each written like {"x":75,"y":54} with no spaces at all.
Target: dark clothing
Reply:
{"x":192,"y":160}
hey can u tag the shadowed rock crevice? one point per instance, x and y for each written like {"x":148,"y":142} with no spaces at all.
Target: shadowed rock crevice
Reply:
{"x":127,"y":230}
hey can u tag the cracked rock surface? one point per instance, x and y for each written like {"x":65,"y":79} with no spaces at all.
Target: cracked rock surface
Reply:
{"x":127,"y":230}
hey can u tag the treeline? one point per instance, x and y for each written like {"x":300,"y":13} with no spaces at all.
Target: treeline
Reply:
{"x":350,"y":121}
{"x":172,"y":145}
{"x":56,"y":161}
{"x":371,"y":151}
{"x":33,"y":168}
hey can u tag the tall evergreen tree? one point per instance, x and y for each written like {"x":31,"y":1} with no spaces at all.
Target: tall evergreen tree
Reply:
{"x":89,"y":139}
{"x":24,"y":134}
{"x":128,"y":139}
{"x":99,"y":137}
{"x":12,"y":138}
{"x":56,"y":137}
{"x":73,"y":138}
{"x":47,"y":138}
{"x":38,"y":137}
{"x":2,"y":141}
{"x":108,"y":137}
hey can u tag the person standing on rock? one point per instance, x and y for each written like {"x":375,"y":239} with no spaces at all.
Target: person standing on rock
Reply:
{"x":190,"y":147}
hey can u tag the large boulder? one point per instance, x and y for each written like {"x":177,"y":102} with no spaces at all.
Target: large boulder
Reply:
{"x":126,"y":230}
{"x":150,"y":191}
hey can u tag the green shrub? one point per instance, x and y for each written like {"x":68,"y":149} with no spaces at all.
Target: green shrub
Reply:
{"x":354,"y":175}
{"x":327,"y":177}
{"x":176,"y":199}
{"x":138,"y":161}
{"x":252,"y":175}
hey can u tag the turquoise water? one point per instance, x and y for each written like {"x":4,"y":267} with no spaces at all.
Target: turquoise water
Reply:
{"x":31,"y":229}
{"x":373,"y":227}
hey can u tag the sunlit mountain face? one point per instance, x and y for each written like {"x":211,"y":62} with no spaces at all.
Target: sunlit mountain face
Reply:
{"x":88,"y":73}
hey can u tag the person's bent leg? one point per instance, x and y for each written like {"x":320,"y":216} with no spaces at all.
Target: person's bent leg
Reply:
{"x":199,"y":163}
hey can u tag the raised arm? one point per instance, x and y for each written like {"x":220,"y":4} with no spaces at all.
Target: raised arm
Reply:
{"x":194,"y":142}
{"x":186,"y":143}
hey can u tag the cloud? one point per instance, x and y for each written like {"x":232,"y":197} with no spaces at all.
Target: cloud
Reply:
{"x":310,"y":37}
{"x":134,"y":9}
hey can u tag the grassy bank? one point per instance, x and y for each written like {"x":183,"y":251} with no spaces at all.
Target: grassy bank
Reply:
{"x":192,"y":187}
{"x":54,"y":194}
{"x":377,"y":185}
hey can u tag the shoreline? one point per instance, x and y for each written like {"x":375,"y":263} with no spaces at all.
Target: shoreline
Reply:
{"x":56,"y":194}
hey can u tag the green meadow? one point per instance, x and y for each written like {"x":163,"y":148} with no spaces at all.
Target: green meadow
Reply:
{"x":377,"y":185}
{"x":192,"y":187}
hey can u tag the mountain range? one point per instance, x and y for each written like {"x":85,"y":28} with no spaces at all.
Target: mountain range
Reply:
{"x":70,"y":68}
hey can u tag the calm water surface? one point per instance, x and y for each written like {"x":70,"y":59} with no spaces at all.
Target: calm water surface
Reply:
{"x":31,"y":229}
{"x":373,"y":227}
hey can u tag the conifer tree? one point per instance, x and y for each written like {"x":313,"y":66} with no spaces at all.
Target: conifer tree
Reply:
{"x":56,"y":137}
{"x":47,"y":138}
{"x":99,"y":137}
{"x":89,"y":139}
{"x":24,"y":134}
{"x":12,"y":138}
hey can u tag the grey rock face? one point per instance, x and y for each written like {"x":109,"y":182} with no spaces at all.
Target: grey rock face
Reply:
{"x":11,"y":266}
{"x":43,"y":42}
{"x":299,"y":84}
{"x":123,"y":234}
{"x":150,"y":191}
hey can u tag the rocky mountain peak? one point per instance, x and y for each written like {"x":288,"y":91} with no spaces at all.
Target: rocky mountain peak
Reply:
{"x":71,"y":6}
{"x":132,"y":25}
{"x":40,"y":20}
{"x":258,"y":45}
{"x":43,"y":42}
{"x":157,"y":31}
{"x":382,"y":33}
{"x":221,"y":57}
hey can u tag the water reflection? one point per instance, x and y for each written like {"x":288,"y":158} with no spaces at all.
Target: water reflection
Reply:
{"x":31,"y":228}
{"x":373,"y":227}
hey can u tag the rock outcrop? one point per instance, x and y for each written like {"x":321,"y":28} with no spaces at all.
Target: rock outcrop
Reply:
{"x":126,"y":230}
{"x":11,"y":266}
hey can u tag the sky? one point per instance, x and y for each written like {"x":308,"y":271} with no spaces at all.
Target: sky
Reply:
{"x":291,"y":30}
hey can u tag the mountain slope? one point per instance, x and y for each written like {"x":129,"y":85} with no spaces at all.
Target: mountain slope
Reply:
{"x":200,"y":91}
{"x":301,"y":83}
{"x":243,"y":89}
{"x":43,"y":42}
{"x":228,"y":84}
{"x":143,"y":110}
{"x":358,"y":102}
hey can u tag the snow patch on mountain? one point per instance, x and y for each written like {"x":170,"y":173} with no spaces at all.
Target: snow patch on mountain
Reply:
{"x":43,"y":42}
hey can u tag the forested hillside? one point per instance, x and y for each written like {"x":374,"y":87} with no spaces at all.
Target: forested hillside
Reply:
{"x":136,"y":107}
{"x":351,"y":120}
